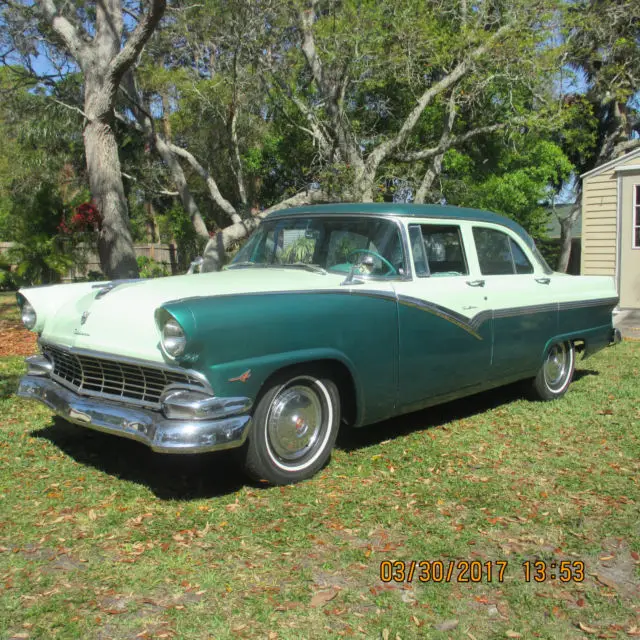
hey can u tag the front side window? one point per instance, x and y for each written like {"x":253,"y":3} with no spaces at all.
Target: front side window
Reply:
{"x":636,"y":218}
{"x":438,"y":250}
{"x":499,"y":254}
{"x":333,"y":243}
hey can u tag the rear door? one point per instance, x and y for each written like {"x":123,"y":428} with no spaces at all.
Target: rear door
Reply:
{"x":522,"y":298}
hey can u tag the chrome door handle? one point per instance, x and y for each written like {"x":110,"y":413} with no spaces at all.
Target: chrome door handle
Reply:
{"x":543,"y":280}
{"x":475,"y":283}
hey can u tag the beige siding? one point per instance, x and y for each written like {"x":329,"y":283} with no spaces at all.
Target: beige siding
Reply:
{"x":599,"y":219}
{"x":631,"y":161}
{"x":629,"y":256}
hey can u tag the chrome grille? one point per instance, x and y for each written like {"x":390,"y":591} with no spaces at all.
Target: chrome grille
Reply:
{"x":92,"y":375}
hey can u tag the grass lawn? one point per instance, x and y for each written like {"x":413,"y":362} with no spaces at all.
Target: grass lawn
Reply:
{"x":100,"y":538}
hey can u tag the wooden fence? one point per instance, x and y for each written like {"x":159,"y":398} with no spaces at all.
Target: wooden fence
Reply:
{"x":163,"y":253}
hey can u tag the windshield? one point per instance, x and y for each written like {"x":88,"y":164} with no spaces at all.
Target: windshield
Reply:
{"x":331,"y":243}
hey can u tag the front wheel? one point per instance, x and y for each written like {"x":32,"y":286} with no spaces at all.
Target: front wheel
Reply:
{"x":294,"y":428}
{"x":556,"y":372}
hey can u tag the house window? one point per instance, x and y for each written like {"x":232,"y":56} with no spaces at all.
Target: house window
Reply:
{"x":636,"y":218}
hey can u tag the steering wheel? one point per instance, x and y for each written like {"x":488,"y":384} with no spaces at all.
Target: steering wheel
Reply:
{"x":392,"y":270}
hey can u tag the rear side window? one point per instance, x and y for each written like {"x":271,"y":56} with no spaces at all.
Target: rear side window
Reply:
{"x":499,"y":254}
{"x":438,"y":250}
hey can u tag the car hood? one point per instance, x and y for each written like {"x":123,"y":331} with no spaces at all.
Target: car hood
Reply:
{"x":121,"y":321}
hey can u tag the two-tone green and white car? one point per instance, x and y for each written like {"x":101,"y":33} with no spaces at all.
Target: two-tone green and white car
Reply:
{"x":329,"y":315}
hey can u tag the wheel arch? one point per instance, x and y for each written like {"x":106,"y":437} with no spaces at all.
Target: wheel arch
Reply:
{"x":587,"y":342}
{"x":350,"y":406}
{"x":227,"y":379}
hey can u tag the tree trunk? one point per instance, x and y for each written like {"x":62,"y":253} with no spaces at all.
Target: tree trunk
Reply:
{"x":565,"y":245}
{"x":178,"y":177}
{"x":566,"y":224}
{"x":115,"y":246}
{"x":434,"y":170}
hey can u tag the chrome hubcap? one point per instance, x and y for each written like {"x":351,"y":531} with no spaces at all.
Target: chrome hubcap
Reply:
{"x":556,"y":365}
{"x":295,"y":422}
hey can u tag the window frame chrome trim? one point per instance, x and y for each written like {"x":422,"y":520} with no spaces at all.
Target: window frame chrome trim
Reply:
{"x":398,"y":221}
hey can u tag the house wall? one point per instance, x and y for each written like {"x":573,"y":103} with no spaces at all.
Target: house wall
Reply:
{"x":629,"y":255}
{"x":599,"y":220}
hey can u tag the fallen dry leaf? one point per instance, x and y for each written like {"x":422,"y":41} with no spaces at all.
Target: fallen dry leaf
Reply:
{"x":321,"y":598}
{"x":607,"y":582}
{"x":587,"y":629}
{"x":513,"y":634}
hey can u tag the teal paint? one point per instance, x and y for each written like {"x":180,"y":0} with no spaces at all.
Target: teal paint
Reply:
{"x":519,"y":338}
{"x":438,"y":355}
{"x":233,"y":334}
{"x":403,"y":354}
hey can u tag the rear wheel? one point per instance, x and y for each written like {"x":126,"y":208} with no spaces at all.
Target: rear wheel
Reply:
{"x":294,"y":428}
{"x":556,"y":372}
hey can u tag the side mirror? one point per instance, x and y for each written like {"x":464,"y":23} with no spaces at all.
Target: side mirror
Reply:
{"x":197,"y":263}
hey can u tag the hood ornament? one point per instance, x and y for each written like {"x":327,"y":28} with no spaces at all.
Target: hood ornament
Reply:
{"x":84,"y":317}
{"x":109,"y":286}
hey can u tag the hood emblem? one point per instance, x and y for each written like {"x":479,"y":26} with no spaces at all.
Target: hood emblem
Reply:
{"x":84,"y":317}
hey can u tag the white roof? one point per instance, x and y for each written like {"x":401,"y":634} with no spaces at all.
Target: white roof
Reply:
{"x":611,"y":164}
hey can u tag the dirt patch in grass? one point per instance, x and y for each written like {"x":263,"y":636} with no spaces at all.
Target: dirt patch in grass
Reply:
{"x":15,"y":340}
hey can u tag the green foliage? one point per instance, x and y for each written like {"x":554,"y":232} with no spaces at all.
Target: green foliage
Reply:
{"x":299,"y":251}
{"x":8,"y":280}
{"x":175,"y":225}
{"x":150,"y":268}
{"x":517,"y":183}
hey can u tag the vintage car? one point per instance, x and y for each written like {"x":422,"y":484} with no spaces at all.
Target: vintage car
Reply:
{"x":329,"y":315}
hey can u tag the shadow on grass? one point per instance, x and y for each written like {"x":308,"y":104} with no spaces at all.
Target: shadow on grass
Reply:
{"x":353,"y":439}
{"x":192,"y":477}
{"x":583,"y":373}
{"x":170,"y":477}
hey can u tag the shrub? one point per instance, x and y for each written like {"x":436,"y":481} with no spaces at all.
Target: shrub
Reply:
{"x":150,"y":268}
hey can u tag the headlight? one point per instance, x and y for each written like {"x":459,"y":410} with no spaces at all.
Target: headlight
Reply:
{"x":29,"y":317}
{"x":173,"y":338}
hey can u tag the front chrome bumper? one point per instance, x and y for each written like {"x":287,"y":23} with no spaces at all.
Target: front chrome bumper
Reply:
{"x":226,"y":431}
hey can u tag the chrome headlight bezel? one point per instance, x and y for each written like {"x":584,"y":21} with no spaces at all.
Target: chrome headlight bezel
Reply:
{"x":173,"y":338}
{"x":28,"y":315}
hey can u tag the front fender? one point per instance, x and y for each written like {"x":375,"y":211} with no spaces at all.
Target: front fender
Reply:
{"x":247,"y":377}
{"x":229,"y":335}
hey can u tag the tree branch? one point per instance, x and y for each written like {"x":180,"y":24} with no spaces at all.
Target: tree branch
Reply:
{"x":136,"y":41}
{"x":66,"y":30}
{"x":445,"y":144}
{"x":331,"y":91}
{"x":625,"y":147}
{"x":385,"y":148}
{"x":214,"y":191}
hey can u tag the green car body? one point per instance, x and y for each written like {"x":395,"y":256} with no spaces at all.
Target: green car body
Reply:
{"x":392,"y":342}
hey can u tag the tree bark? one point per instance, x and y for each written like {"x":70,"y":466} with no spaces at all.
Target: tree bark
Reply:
{"x":103,"y":60}
{"x":434,"y":170}
{"x":115,"y":246}
{"x":566,"y":225}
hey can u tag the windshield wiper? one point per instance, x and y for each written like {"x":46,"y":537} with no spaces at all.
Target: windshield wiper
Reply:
{"x":309,"y":267}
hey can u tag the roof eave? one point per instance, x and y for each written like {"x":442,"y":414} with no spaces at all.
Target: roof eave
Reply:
{"x":608,"y":165}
